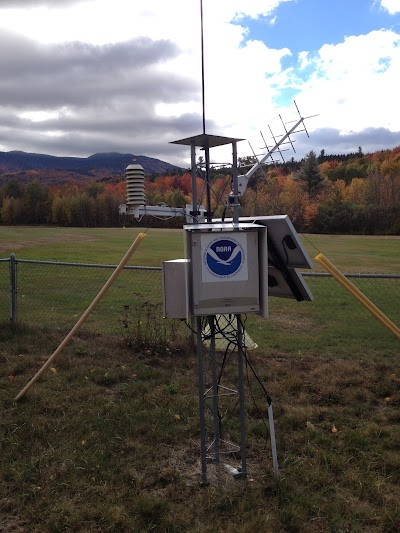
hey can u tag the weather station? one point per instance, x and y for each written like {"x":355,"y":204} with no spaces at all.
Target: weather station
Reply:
{"x":231,"y":268}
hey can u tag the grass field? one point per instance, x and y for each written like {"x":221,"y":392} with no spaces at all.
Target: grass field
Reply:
{"x":94,"y":245}
{"x":108,"y":440}
{"x":59,"y":295}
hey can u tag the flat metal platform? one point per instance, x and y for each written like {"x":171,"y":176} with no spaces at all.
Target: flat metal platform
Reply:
{"x":204,"y":140}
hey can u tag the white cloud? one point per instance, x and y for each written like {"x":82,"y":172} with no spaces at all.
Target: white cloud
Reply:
{"x":353,"y":85}
{"x":38,"y":116}
{"x":304,"y":60}
{"x":393,"y":6}
{"x":238,"y":9}
{"x":102,"y":21}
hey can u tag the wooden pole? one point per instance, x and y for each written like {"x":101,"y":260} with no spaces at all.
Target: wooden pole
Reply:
{"x":86,"y":314}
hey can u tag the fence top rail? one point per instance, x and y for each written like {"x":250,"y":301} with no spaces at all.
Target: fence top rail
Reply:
{"x":159,"y":268}
{"x":86,"y":265}
{"x":353,"y":275}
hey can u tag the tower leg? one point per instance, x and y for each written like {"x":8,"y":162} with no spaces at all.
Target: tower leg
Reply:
{"x":240,"y":343}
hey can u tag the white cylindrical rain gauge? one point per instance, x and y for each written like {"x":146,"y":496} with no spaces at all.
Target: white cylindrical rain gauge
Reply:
{"x":135,"y":197}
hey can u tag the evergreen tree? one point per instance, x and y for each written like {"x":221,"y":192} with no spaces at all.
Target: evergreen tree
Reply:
{"x":310,"y":176}
{"x":13,"y":189}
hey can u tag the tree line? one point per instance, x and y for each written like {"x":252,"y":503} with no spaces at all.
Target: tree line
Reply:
{"x":73,"y":204}
{"x":355,"y":194}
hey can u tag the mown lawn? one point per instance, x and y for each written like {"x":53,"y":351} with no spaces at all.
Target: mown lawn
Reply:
{"x":108,"y":245}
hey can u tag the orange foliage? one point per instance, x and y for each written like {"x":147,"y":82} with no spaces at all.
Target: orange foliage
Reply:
{"x":355,"y":192}
{"x":328,"y":165}
{"x":185,"y":183}
{"x":310,"y":213}
{"x":391,"y":167}
{"x":116,"y":190}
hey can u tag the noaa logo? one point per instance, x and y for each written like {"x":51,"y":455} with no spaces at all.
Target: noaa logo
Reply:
{"x":224,"y":257}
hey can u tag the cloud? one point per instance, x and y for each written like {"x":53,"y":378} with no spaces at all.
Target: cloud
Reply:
{"x":126,"y":76}
{"x":335,"y":142}
{"x":238,"y":9}
{"x":90,"y":132}
{"x":124,"y":91}
{"x":29,"y":56}
{"x":100,"y":95}
{"x":82,"y":74}
{"x":32,"y":3}
{"x":353,"y":84}
{"x":393,"y":6}
{"x":353,"y":88}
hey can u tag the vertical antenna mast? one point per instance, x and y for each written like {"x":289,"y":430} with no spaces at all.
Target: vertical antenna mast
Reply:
{"x":202,"y":67}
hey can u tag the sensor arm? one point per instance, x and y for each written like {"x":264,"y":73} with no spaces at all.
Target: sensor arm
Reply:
{"x":164,"y":211}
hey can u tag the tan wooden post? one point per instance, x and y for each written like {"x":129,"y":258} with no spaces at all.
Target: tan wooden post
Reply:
{"x":86,"y":314}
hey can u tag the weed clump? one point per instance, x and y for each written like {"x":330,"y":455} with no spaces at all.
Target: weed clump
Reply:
{"x":146,"y":332}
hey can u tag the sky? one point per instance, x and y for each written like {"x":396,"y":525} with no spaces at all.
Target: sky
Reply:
{"x":80,"y":77}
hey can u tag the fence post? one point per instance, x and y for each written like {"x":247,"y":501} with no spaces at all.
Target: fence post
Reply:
{"x":13,"y":288}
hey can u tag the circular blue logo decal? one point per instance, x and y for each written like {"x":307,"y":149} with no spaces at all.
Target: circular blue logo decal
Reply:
{"x":224,"y":257}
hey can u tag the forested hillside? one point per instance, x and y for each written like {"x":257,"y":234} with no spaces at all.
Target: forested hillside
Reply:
{"x":57,"y":170}
{"x":353,"y":193}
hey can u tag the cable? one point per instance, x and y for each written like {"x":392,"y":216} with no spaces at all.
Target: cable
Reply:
{"x":269,"y":399}
{"x":217,"y":197}
{"x":224,"y":213}
{"x":253,"y":398}
{"x":308,"y":240}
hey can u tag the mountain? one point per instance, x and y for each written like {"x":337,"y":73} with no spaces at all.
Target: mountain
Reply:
{"x":25,"y":166}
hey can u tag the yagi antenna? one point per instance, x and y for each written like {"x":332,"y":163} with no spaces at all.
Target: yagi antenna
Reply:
{"x":285,"y":139}
{"x":287,"y":134}
{"x":267,"y":147}
{"x":277,"y":144}
{"x":284,"y":127}
{"x":256,"y":158}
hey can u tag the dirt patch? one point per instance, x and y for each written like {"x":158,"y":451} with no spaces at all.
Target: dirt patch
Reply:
{"x":186,"y":463}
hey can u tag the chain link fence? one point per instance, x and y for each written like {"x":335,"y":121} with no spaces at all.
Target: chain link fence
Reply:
{"x":55,"y":295}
